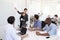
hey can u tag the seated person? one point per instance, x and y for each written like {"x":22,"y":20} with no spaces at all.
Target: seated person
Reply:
{"x":10,"y":32}
{"x":55,"y":20}
{"x":37,"y":23}
{"x":49,"y":27}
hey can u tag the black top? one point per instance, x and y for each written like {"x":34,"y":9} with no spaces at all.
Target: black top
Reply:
{"x":23,"y":17}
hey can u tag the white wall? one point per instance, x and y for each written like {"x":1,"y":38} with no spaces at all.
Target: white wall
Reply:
{"x":7,"y":9}
{"x":47,"y":7}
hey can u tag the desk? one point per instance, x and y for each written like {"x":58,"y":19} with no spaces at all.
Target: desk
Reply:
{"x":32,"y":36}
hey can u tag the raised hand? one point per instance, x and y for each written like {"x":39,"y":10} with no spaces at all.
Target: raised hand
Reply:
{"x":15,"y":9}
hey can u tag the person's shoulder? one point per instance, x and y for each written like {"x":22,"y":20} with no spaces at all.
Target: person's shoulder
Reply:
{"x":54,"y":25}
{"x":21,"y":13}
{"x":9,"y":26}
{"x":39,"y":21}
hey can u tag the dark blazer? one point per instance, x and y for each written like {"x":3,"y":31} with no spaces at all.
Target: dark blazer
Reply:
{"x":24,"y":17}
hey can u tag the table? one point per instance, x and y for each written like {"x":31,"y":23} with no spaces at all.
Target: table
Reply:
{"x":32,"y":36}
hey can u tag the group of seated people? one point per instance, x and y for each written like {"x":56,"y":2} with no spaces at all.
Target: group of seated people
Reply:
{"x":48,"y":25}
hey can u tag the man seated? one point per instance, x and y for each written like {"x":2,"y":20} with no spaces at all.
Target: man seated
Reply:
{"x":10,"y":32}
{"x":49,"y":27}
{"x":37,"y":23}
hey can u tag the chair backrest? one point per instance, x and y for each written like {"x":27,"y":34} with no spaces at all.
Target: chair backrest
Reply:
{"x":43,"y":24}
{"x":23,"y":30}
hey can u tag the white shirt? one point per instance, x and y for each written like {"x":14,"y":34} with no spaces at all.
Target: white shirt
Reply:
{"x":10,"y":33}
{"x":51,"y":29}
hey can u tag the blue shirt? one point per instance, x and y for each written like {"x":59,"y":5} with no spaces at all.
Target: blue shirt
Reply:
{"x":51,"y":29}
{"x":37,"y":24}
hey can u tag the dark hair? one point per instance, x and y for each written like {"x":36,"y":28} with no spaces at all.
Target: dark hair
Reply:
{"x":25,"y":8}
{"x":48,"y":19}
{"x":36,"y":16}
{"x":11,"y":19}
{"x":56,"y":15}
